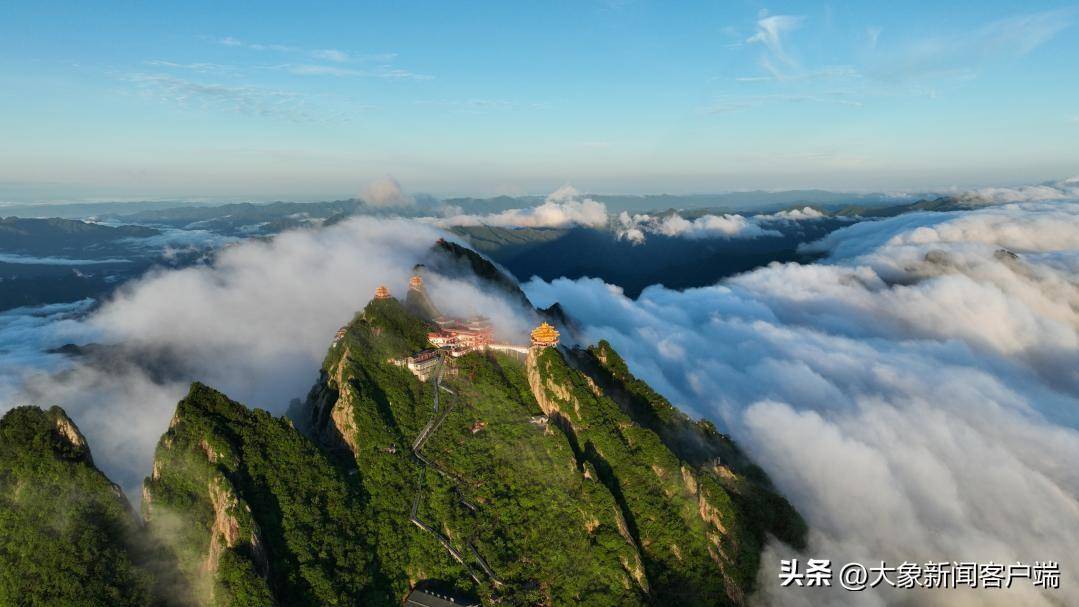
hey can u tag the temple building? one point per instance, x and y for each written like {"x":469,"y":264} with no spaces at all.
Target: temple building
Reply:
{"x":423,"y":364}
{"x":430,"y":598}
{"x":382,"y":292}
{"x":416,"y":282}
{"x":462,"y":336}
{"x":337,"y":337}
{"x":544,"y":336}
{"x":442,"y":339}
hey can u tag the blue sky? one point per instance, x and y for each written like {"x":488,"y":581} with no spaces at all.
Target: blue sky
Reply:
{"x":276,"y":101}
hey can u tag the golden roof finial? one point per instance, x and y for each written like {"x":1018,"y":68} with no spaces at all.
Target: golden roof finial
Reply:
{"x":544,"y":335}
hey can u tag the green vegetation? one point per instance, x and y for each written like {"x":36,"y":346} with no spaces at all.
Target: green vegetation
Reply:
{"x":600,"y":504}
{"x":67,"y":534}
{"x":680,"y":548}
{"x":417,"y":302}
{"x":719,"y":462}
{"x":377,"y":409}
{"x":549,"y":532}
{"x":254,"y":510}
{"x":487,"y":238}
{"x":941,"y":204}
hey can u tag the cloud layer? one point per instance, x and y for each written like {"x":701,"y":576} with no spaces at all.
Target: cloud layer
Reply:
{"x":916,"y":395}
{"x":635,"y":228}
{"x":256,"y":324}
{"x":386,"y":193}
{"x":55,"y":261}
{"x":563,"y":208}
{"x":1059,"y":190}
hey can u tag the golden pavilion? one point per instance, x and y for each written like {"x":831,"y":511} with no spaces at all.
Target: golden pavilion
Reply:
{"x":416,"y":282}
{"x":382,"y":292}
{"x":544,"y":336}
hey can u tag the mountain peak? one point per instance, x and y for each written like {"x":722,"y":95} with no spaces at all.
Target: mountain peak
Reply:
{"x":44,"y":432}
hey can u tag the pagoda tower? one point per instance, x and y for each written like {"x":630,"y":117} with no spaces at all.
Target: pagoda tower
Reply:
{"x":417,"y":301}
{"x":382,"y":292}
{"x":544,"y":336}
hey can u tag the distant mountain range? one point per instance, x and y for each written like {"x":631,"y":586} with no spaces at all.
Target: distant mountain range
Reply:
{"x":60,"y":260}
{"x":674,"y":262}
{"x":174,"y":211}
{"x":64,"y":237}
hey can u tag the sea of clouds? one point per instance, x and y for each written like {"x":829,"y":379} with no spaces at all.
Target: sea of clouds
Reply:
{"x":566,"y":207}
{"x":562,"y":208}
{"x":255,"y":324}
{"x":1064,"y":189}
{"x":635,"y":228}
{"x":915,"y":395}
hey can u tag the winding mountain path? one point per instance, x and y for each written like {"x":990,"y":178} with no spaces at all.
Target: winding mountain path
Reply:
{"x":439,"y":415}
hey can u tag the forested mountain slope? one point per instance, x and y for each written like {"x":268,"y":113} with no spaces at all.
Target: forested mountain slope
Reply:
{"x":511,"y":475}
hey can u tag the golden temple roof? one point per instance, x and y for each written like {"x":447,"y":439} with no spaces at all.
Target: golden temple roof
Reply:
{"x":382,"y":292}
{"x":415,"y":282}
{"x":544,"y":335}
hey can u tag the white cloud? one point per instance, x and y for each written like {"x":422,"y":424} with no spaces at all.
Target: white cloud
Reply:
{"x":872,"y":35}
{"x":562,"y":208}
{"x":319,"y":70}
{"x":726,"y":104}
{"x":916,"y":395}
{"x":178,"y":240}
{"x":710,"y":226}
{"x":635,"y":227}
{"x":248,"y":100}
{"x":1060,"y":190}
{"x":797,"y":214}
{"x":962,"y":53}
{"x":322,"y":54}
{"x":257,"y":46}
{"x":54,"y":261}
{"x":195,"y":67}
{"x":26,"y":334}
{"x":386,"y":192}
{"x":1027,"y":227}
{"x":770,"y":31}
{"x":330,"y":54}
{"x":385,"y":72}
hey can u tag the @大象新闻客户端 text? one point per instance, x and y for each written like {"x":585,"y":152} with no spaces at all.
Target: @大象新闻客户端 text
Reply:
{"x":856,"y":576}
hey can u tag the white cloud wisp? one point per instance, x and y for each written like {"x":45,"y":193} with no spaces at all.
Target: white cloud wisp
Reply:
{"x":635,"y":228}
{"x":563,"y":208}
